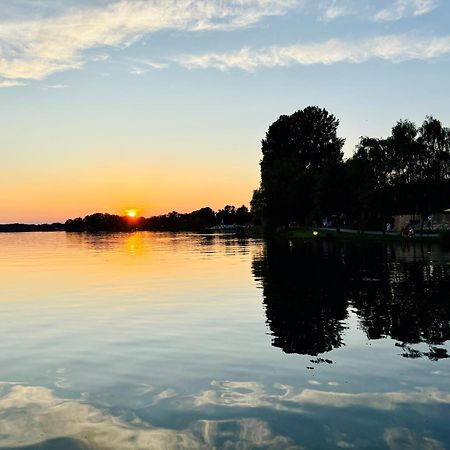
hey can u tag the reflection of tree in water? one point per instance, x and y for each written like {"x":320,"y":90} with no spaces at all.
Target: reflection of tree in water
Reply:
{"x":304,"y":294}
{"x":309,"y":287}
{"x":406,"y":300}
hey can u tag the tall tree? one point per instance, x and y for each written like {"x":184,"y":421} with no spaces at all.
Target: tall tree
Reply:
{"x":296,"y":150}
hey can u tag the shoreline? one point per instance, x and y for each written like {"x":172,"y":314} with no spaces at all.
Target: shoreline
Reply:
{"x":349,"y":234}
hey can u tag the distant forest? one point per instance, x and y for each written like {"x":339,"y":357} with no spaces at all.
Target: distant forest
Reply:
{"x":174,"y":221}
{"x":305,"y":179}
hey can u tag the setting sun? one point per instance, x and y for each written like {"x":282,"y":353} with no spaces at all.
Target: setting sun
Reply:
{"x":131,"y":212}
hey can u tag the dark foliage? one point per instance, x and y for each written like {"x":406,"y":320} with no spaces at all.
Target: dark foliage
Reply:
{"x":305,"y":179}
{"x":200,"y":219}
{"x":407,"y":173}
{"x":100,"y":222}
{"x":296,"y":150}
{"x":22,"y":227}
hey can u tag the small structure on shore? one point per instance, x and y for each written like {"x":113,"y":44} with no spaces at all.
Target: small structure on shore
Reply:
{"x":433,"y":222}
{"x":229,"y":228}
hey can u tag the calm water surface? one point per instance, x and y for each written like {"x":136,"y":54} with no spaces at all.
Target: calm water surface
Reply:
{"x":140,"y":341}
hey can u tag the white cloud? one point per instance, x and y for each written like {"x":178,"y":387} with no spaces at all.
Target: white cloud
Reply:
{"x":32,"y":49}
{"x":395,"y":48}
{"x":10,"y":83}
{"x":55,"y":86}
{"x":142,"y":66}
{"x":401,"y":9}
{"x":138,"y":71}
{"x":336,"y":9}
{"x":36,"y":48}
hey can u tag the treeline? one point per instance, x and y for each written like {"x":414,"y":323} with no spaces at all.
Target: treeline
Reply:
{"x":174,"y":221}
{"x":24,"y":227}
{"x":304,"y":178}
{"x":200,"y":219}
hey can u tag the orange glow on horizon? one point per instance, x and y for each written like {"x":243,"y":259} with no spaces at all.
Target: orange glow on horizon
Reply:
{"x":151,"y":191}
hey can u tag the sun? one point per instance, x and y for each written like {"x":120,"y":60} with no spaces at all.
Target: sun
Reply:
{"x":132,"y":213}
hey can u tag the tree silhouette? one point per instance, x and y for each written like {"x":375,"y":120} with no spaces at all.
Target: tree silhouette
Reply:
{"x":295,"y":150}
{"x":304,"y":178}
{"x":408,"y":172}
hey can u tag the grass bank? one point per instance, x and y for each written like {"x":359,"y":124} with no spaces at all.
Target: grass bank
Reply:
{"x":331,"y":234}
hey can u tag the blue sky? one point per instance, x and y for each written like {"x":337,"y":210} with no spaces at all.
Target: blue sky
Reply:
{"x":181,"y":92}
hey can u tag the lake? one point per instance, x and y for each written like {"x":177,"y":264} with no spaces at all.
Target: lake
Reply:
{"x":174,"y":341}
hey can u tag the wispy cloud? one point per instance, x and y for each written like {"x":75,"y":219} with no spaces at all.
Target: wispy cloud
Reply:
{"x":142,"y":66}
{"x":401,"y":9}
{"x":336,"y":9}
{"x":55,"y":86}
{"x":395,"y":48}
{"x":10,"y":83}
{"x":34,"y":49}
{"x":138,"y":70}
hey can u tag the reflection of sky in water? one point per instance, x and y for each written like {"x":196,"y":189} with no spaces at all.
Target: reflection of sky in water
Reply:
{"x":161,"y":341}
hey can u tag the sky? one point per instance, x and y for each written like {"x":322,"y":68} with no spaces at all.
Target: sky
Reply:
{"x":161,"y":105}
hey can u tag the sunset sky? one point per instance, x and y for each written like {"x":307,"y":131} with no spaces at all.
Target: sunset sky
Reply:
{"x":161,"y":105}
